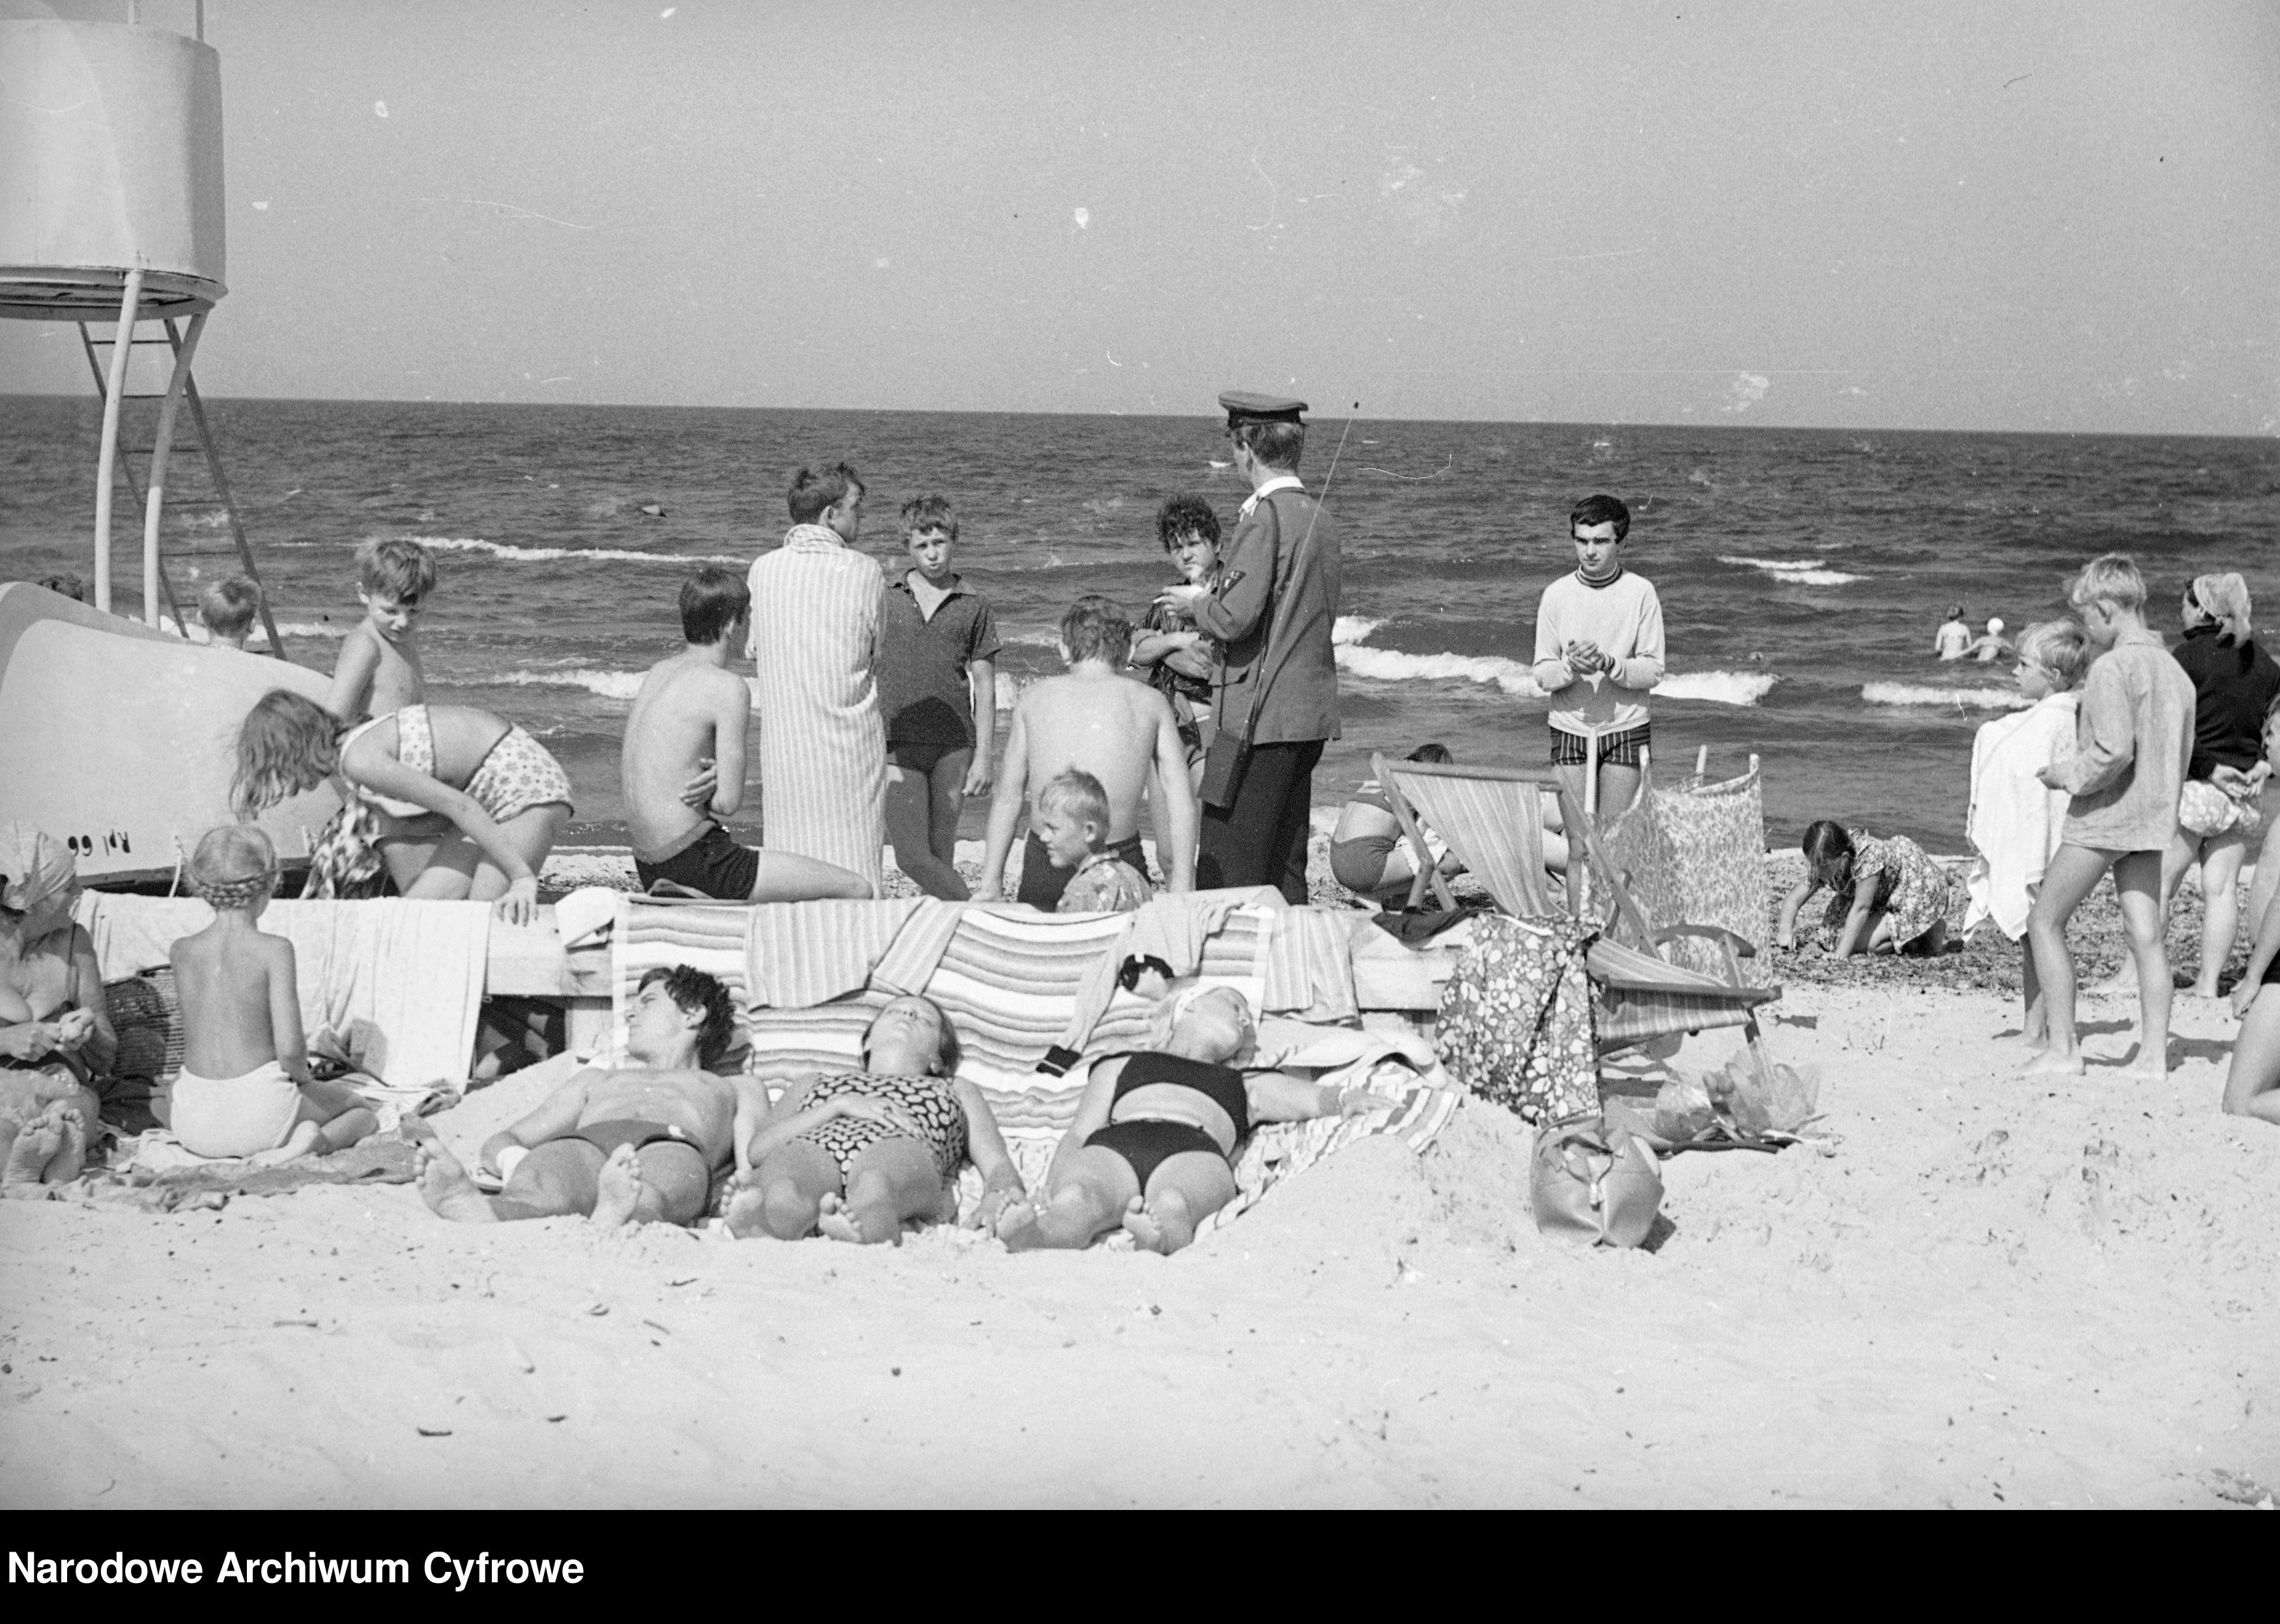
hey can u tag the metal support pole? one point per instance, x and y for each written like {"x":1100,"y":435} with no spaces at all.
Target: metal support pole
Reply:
{"x":122,"y":345}
{"x":154,"y":489}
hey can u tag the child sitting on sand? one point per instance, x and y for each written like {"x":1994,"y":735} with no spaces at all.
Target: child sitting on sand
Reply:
{"x":2017,"y":821}
{"x":1152,"y":1147}
{"x":378,"y":670}
{"x":245,"y":1088}
{"x":1095,"y":720}
{"x":2133,"y":742}
{"x":1073,"y":827}
{"x":1886,"y":894}
{"x":856,"y":1155}
{"x":228,"y":607}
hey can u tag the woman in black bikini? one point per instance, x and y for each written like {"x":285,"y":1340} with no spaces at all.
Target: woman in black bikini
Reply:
{"x":1153,"y":1144}
{"x":856,"y":1155}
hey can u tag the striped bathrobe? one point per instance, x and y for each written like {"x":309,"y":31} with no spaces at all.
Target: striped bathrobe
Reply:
{"x":823,"y":747}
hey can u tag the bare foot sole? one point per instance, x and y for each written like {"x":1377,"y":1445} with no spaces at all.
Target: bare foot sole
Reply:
{"x":619,"y":1188}
{"x":2054,"y":1065}
{"x":746,"y":1213}
{"x":303,"y":1140}
{"x":1017,"y":1226}
{"x":1164,"y":1225}
{"x":71,"y":1155}
{"x":834,"y":1219}
{"x":446,"y":1187}
{"x":36,"y":1147}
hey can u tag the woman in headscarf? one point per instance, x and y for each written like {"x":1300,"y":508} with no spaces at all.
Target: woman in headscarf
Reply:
{"x":54,"y":1028}
{"x":2234,"y":683}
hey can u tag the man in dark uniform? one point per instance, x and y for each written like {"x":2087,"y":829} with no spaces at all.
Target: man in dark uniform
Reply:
{"x":1277,"y":681}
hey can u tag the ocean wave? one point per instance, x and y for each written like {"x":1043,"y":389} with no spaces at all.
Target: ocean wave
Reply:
{"x":1718,"y":686}
{"x":310,"y":628}
{"x":1962,"y":698}
{"x":1353,"y":629}
{"x":608,"y":684}
{"x":1794,"y":572}
{"x":1393,"y":665}
{"x":548,"y":555}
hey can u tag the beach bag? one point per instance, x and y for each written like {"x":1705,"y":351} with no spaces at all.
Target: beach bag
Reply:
{"x":1516,"y":1026}
{"x":1600,"y":1186}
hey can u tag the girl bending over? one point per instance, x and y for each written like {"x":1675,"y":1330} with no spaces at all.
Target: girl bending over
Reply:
{"x":505,"y":798}
{"x":1886,"y":895}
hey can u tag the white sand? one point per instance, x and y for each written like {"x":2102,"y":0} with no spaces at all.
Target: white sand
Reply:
{"x":1992,"y":1290}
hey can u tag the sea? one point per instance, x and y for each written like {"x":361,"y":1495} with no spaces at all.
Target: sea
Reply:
{"x":1802,"y":572}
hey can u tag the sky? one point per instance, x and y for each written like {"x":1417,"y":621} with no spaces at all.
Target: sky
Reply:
{"x":1943,"y":214}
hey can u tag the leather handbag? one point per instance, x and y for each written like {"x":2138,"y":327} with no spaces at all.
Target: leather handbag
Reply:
{"x":1600,"y":1186}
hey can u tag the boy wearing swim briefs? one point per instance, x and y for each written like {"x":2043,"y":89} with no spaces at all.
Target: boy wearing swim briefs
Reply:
{"x":378,"y":672}
{"x":244,"y":1089}
{"x":682,"y":765}
{"x":1096,"y":720}
{"x":228,"y":607}
{"x":1072,"y":824}
{"x":1598,"y":653}
{"x":938,"y":691}
{"x":641,"y":1143}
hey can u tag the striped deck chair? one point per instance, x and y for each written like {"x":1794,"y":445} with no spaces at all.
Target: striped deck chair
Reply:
{"x":1492,"y":819}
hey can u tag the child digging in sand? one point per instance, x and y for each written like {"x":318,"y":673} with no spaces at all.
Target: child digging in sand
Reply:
{"x":2132,"y":744}
{"x":245,"y":1088}
{"x":856,"y":1155}
{"x":1153,"y":1144}
{"x":2017,"y":821}
{"x":1886,"y":895}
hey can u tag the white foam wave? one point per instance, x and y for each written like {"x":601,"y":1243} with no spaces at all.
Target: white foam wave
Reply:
{"x":547,"y":555}
{"x":1393,"y":665}
{"x":1718,"y":686}
{"x":1793,"y":572}
{"x":310,"y":628}
{"x":1961,"y":698}
{"x":608,"y":684}
{"x":1353,"y":629}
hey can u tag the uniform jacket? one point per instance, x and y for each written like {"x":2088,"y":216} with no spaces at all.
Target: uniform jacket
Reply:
{"x":1280,"y":572}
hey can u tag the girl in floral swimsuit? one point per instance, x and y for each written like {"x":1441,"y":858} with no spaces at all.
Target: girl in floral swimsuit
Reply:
{"x":856,"y":1155}
{"x":1886,"y":895}
{"x":507,"y":796}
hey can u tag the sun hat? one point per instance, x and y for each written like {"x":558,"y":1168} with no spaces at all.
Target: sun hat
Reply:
{"x":585,"y":914}
{"x":34,"y":866}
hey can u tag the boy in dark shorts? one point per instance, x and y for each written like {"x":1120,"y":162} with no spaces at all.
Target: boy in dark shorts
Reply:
{"x":682,"y":767}
{"x":938,"y":692}
{"x":1598,"y":653}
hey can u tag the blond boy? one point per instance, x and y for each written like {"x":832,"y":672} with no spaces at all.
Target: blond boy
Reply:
{"x":378,"y":672}
{"x":1095,"y":720}
{"x":1072,"y":824}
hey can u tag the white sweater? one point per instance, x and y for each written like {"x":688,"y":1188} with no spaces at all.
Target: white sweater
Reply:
{"x":1624,"y":618}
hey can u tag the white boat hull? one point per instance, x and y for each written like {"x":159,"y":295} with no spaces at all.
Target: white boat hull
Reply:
{"x":120,"y":740}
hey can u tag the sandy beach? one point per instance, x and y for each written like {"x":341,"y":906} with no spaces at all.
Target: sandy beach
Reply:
{"x":1973,"y":1290}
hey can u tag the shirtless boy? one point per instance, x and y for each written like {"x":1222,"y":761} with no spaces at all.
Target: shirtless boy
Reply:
{"x":1094,"y":720}
{"x":640,"y":1145}
{"x":378,"y":672}
{"x":682,"y":768}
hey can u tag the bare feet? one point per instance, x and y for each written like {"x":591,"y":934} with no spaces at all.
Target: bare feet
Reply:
{"x":1065,"y":1220}
{"x":838,"y":1221}
{"x":71,"y":1155}
{"x":446,"y":1189}
{"x":1164,"y":1225}
{"x":2145,"y":1067}
{"x":2054,"y":1065}
{"x":619,"y":1188}
{"x":746,"y":1213}
{"x":36,"y":1144}
{"x":299,"y":1143}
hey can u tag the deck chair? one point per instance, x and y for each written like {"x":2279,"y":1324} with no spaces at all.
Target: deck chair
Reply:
{"x":1492,"y":819}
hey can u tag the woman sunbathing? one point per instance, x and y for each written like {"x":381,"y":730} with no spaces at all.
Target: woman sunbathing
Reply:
{"x":506,"y":796}
{"x":856,"y":1155}
{"x":1153,"y":1144}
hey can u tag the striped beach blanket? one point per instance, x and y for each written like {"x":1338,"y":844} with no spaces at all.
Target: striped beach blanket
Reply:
{"x":1011,"y":981}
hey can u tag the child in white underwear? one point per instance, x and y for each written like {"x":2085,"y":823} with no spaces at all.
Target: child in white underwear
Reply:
{"x":244,"y":1089}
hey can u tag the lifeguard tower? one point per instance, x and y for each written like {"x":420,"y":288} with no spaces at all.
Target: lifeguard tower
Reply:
{"x":115,"y":735}
{"x":110,"y":218}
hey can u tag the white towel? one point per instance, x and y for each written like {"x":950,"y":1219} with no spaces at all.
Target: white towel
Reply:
{"x":399,"y":983}
{"x":2016,"y":823}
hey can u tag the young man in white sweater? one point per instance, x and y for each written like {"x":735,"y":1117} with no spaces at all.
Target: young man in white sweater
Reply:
{"x":1599,"y":652}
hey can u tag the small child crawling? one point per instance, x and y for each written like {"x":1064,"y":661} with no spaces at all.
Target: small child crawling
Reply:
{"x":244,"y":1089}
